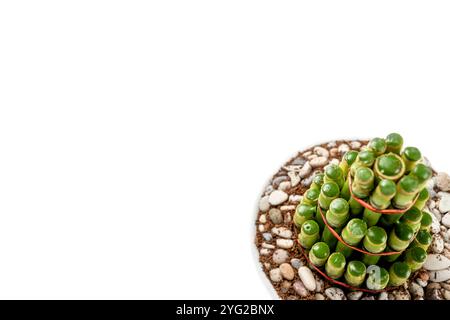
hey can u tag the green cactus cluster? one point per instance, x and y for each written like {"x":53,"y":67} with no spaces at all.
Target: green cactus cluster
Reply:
{"x":386,"y":176}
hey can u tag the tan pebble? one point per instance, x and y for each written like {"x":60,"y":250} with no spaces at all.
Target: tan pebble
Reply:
{"x":287,"y":271}
{"x":334,"y":152}
{"x":262,"y":218}
{"x":285,"y":286}
{"x":319,"y":296}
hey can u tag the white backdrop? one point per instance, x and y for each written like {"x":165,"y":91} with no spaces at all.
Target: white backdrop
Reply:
{"x":136,"y":136}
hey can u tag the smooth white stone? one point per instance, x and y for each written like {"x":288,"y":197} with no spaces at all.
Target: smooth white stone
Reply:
{"x":282,"y":232}
{"x":436,"y":262}
{"x":444,"y":203}
{"x":264,"y":204}
{"x":307,"y":278}
{"x":440,"y":275}
{"x":285,"y":243}
{"x":295,"y":178}
{"x":321,"y":152}
{"x":278,"y":197}
{"x":446,"y":220}
{"x":318,"y":162}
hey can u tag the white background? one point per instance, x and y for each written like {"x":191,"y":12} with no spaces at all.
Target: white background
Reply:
{"x":136,"y":136}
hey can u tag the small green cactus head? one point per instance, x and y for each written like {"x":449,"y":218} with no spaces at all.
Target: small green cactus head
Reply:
{"x":378,"y":146}
{"x":330,"y":189}
{"x":389,"y":166}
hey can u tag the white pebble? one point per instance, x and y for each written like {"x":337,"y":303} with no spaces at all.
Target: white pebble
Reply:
{"x":355,"y":145}
{"x":402,"y":295}
{"x":355,"y":295}
{"x":334,"y":161}
{"x":318,"y":162}
{"x":263,"y":218}
{"x":282,"y":232}
{"x":267,"y":236}
{"x":443,"y":181}
{"x":285,"y":185}
{"x":307,"y":278}
{"x":264,"y":204}
{"x":287,"y":208}
{"x":331,"y":144}
{"x":275,"y":275}
{"x":300,"y":288}
{"x":421,"y":282}
{"x":444,"y":203}
{"x":295,"y":178}
{"x":436,"y":262}
{"x":432,"y":204}
{"x":277,"y":197}
{"x":437,"y":214}
{"x":446,"y":220}
{"x":261,"y":228}
{"x":319,"y":285}
{"x":435,"y":225}
{"x":335,"y":294}
{"x":321,"y":152}
{"x":383,"y":296}
{"x":343,"y":148}
{"x":295,"y":198}
{"x":305,"y":170}
{"x":280,"y":256}
{"x":437,"y":245}
{"x":268,"y":246}
{"x":440,"y":275}
{"x":285,"y":243}
{"x":430,"y":186}
{"x":446,"y":236}
{"x":287,"y":218}
{"x":415,"y":290}
{"x":264,"y":252}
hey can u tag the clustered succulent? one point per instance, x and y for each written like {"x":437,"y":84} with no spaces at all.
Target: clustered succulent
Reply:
{"x":362,"y":222}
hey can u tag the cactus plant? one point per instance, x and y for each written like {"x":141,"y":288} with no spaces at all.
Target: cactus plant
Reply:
{"x":362,"y":222}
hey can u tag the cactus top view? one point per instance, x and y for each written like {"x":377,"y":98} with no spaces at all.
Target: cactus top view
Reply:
{"x":358,"y":222}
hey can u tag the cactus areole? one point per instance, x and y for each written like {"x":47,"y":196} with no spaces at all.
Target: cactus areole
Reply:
{"x":361,"y":224}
